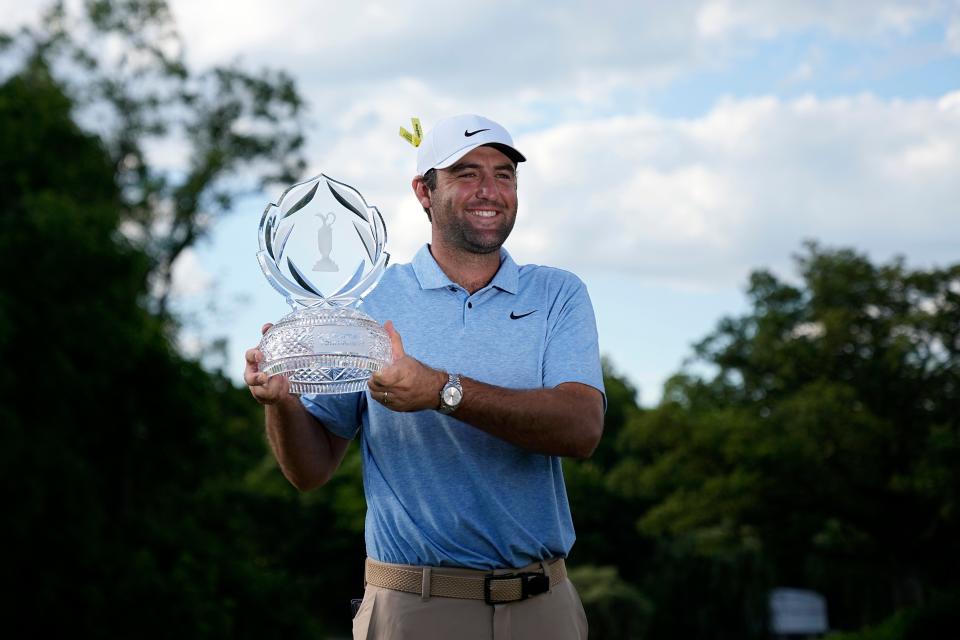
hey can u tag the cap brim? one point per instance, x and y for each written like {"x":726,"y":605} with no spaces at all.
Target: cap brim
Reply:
{"x":505,"y":149}
{"x":508,"y":151}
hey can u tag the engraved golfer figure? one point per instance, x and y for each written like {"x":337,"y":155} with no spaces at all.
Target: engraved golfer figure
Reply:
{"x":325,"y":243}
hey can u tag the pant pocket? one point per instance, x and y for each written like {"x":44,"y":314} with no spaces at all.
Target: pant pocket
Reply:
{"x":361,"y":621}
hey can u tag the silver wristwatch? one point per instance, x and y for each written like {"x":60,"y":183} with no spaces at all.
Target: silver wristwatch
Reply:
{"x":451,"y":395}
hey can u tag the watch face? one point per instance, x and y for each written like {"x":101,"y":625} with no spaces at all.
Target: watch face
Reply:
{"x":451,"y":396}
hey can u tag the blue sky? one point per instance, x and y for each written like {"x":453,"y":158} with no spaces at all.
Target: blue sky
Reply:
{"x":673,"y":146}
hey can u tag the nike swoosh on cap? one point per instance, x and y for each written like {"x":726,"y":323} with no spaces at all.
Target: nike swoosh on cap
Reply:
{"x":473,"y":133}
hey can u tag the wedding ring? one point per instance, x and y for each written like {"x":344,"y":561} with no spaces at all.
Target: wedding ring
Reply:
{"x":385,"y":397}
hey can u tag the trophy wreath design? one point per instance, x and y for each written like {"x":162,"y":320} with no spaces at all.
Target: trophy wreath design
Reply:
{"x":325,"y":345}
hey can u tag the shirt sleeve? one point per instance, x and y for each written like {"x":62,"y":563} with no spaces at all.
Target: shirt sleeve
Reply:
{"x":572,"y":352}
{"x":340,"y":414}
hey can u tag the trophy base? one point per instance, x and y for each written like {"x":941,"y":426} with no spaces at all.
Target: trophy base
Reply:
{"x":325,"y":350}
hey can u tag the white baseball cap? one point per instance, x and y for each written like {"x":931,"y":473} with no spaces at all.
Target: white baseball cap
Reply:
{"x":452,"y":138}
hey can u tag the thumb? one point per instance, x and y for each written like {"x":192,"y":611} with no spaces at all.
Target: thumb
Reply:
{"x":396,"y":342}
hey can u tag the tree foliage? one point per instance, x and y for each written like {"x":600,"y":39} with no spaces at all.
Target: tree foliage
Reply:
{"x":122,"y":462}
{"x":826,"y":441}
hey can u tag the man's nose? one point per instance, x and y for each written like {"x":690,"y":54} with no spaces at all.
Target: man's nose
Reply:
{"x":487,"y":187}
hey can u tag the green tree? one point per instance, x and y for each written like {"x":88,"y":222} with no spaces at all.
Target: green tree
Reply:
{"x":122,"y":463}
{"x":615,"y":609}
{"x":603,"y":515}
{"x":826,"y":440}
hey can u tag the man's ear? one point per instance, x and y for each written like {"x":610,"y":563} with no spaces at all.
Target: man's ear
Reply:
{"x":422,"y":192}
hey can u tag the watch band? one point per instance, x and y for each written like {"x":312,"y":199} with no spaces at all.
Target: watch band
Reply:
{"x":451,"y":395}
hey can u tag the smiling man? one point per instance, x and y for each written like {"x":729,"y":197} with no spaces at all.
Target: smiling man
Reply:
{"x":495,"y":376}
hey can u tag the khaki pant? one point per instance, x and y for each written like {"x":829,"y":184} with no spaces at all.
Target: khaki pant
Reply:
{"x":385,"y":614}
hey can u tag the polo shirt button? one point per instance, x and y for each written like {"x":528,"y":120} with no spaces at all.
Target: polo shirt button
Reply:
{"x":469,"y":305}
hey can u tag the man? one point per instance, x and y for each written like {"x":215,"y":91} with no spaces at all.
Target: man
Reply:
{"x":496,"y":376}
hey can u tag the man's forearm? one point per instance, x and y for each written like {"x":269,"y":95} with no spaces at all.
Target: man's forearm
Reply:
{"x":564,"y":421}
{"x":307,"y":453}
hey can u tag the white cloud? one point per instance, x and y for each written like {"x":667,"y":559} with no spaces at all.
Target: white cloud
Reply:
{"x":950,"y":102}
{"x":702,"y":201}
{"x":189,"y":276}
{"x":930,"y":155}
{"x":18,"y":13}
{"x":695,"y":202}
{"x":718,"y":19}
{"x":579,"y":54}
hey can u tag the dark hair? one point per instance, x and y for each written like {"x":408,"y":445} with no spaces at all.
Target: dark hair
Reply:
{"x":430,"y":179}
{"x":430,"y":182}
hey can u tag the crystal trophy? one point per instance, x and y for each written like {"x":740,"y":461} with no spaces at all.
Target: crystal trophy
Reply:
{"x":322,"y":248}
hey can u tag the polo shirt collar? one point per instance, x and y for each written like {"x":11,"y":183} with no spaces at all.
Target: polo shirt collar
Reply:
{"x":431,"y":276}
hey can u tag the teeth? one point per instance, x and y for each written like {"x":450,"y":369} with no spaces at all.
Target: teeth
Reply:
{"x":484,"y":214}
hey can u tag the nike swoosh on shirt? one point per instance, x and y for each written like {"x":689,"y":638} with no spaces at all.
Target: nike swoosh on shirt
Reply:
{"x":514,"y":316}
{"x":473,"y":133}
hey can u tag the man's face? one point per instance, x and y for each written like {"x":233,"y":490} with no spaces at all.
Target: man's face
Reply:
{"x":475,"y":203}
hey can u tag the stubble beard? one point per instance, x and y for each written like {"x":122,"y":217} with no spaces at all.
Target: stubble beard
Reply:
{"x":457,"y":232}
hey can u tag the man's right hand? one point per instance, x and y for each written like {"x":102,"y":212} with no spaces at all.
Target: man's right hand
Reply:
{"x":307,"y":453}
{"x":266,"y":390}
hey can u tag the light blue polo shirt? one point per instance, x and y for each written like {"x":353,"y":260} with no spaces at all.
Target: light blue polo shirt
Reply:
{"x":439,"y":491}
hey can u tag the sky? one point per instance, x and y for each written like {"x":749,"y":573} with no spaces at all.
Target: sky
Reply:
{"x":673,"y":147}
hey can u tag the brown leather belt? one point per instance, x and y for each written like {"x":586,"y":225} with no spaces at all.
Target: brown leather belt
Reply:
{"x":492,"y":588}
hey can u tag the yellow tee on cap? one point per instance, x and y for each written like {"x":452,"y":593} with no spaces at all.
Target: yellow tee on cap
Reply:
{"x":417,"y":135}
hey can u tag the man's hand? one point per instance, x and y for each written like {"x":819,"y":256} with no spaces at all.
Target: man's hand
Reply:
{"x":307,"y":453}
{"x":266,"y":390}
{"x":407,"y":384}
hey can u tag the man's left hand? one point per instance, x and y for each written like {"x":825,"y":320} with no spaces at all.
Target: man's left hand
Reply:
{"x":407,"y":384}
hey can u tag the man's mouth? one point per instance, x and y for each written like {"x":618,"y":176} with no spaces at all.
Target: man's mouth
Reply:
{"x":483,"y":213}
